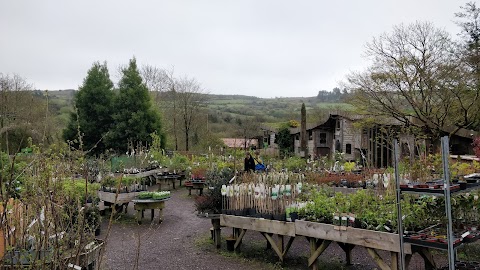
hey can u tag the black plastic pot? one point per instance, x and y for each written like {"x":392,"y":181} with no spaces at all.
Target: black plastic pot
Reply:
{"x":294,"y":216}
{"x":280,"y":217}
{"x":252,"y":212}
{"x":267,"y":216}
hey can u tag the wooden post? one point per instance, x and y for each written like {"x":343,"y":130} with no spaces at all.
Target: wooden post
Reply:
{"x":281,"y":244}
{"x":348,"y":251}
{"x":217,"y":232}
{"x":313,"y":247}
{"x":394,"y":264}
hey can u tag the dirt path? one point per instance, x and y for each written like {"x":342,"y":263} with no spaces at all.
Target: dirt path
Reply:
{"x":181,"y":242}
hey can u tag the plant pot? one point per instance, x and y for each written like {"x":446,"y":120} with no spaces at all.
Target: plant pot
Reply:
{"x":224,"y":211}
{"x":294,"y":216}
{"x":258,"y":215}
{"x":280,"y":217}
{"x":252,"y":212}
{"x":267,"y":216}
{"x":238,"y":212}
{"x":231,"y":244}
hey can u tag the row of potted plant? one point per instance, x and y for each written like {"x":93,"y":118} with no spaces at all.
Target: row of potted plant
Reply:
{"x":123,"y":184}
{"x":158,"y":195}
{"x":262,"y":195}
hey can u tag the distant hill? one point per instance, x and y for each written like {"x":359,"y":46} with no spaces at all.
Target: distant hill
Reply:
{"x":227,"y":113}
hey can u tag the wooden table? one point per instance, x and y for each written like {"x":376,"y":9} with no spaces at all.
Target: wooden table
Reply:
{"x":140,"y":205}
{"x":266,"y":227}
{"x":195,"y":184}
{"x":118,"y":199}
{"x":167,"y":178}
{"x":320,"y":236}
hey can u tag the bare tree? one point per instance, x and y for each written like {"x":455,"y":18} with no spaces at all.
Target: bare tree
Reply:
{"x":416,"y":79}
{"x":163,"y":83}
{"x":22,"y":112}
{"x":189,"y":97}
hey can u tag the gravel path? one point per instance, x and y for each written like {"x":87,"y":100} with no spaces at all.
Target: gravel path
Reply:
{"x":181,"y":241}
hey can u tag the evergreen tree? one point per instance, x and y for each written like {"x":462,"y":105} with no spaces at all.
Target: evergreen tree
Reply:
{"x":135,"y":118}
{"x":92,"y":117}
{"x":284,"y":139}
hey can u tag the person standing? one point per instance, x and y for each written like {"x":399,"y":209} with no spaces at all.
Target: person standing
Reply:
{"x":249,"y":163}
{"x":259,"y":166}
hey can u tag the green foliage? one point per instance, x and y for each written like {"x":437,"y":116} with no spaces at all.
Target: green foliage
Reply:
{"x":135,"y":118}
{"x":78,"y":189}
{"x":284,"y":140}
{"x":349,"y":166}
{"x":92,"y":118}
{"x":11,"y":175}
{"x":294,"y":164}
{"x":379,"y":212}
{"x":179,"y":163}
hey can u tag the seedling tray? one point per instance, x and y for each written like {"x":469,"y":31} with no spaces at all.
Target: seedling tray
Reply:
{"x":433,"y":242}
{"x":436,"y":189}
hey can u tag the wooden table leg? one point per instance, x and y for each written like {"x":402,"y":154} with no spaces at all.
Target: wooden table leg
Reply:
{"x":173,"y":181}
{"x":139,"y":216}
{"x":394,"y":263}
{"x":152,"y":215}
{"x":160,"y":215}
{"x":281,"y":244}
{"x":374,"y":254}
{"x":239,"y":238}
{"x":217,"y":232}
{"x":313,"y":247}
{"x":348,"y":251}
{"x":320,"y":247}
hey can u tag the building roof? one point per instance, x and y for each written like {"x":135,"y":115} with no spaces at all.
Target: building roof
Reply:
{"x":239,"y":142}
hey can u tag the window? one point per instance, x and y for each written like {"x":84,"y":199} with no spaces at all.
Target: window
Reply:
{"x":348,"y":149}
{"x":310,"y":135}
{"x":323,"y":138}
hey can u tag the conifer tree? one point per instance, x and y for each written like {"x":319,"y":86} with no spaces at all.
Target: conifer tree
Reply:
{"x":135,"y":118}
{"x":92,"y":117}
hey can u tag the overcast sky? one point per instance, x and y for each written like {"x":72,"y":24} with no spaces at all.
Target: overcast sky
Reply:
{"x":261,"y":48}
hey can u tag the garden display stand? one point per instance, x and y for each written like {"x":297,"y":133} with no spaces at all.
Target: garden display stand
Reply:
{"x":167,"y":178}
{"x":197,"y":183}
{"x":140,"y":205}
{"x":445,"y":189}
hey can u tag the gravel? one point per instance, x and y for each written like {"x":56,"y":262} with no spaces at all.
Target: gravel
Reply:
{"x":181,"y":241}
